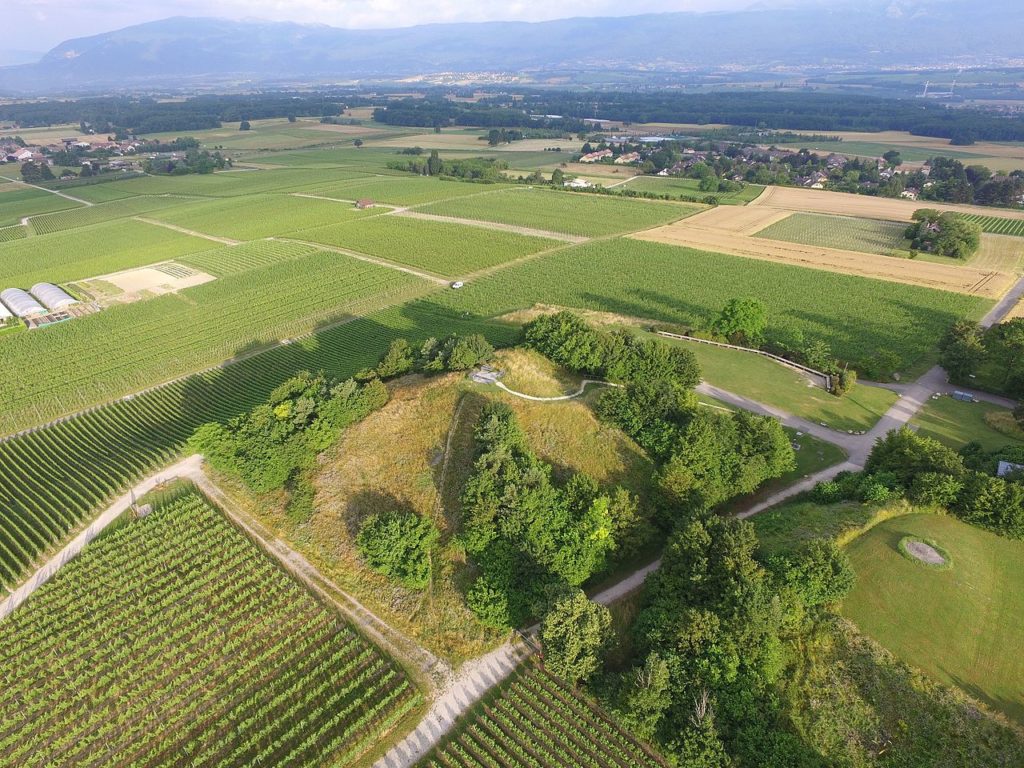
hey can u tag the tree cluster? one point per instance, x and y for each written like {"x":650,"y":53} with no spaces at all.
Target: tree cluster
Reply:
{"x":945,"y":234}
{"x":454,"y":353}
{"x":275,"y":445}
{"x":194,"y":161}
{"x":399,"y":544}
{"x":528,"y":536}
{"x":468,"y":169}
{"x":904,"y":464}
{"x":35,"y":172}
{"x":994,"y":355}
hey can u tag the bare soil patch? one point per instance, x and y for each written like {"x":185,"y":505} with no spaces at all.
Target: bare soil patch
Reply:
{"x":925,"y":553}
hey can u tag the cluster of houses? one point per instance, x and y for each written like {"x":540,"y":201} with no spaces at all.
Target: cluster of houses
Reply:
{"x":117,"y":155}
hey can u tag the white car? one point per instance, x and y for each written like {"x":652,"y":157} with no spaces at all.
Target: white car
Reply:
{"x":458,"y":284}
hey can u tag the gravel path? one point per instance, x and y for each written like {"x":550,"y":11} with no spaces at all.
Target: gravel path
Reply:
{"x":184,"y":231}
{"x":492,"y":225}
{"x":556,"y":398}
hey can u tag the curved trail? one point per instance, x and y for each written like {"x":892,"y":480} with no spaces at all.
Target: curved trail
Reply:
{"x":556,"y":398}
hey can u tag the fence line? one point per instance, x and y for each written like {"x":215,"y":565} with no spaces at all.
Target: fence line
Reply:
{"x":826,"y":378}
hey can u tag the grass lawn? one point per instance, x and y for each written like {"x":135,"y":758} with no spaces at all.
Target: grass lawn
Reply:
{"x":771,"y":383}
{"x":955,"y":423}
{"x":786,"y":527}
{"x":533,"y":374}
{"x":844,"y":232}
{"x":964,"y":625}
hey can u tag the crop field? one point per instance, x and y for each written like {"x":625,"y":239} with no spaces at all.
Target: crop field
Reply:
{"x":65,"y":256}
{"x":998,"y":225}
{"x":231,"y":183}
{"x":403,"y":190}
{"x":681,"y":285}
{"x":256,"y":216}
{"x":248,"y":257}
{"x":74,"y":365}
{"x":168,"y":664}
{"x":963,"y":625}
{"x":730,"y":229}
{"x":97,"y":214}
{"x":572,"y":213}
{"x":536,"y":721}
{"x":438,"y":247}
{"x":17,"y":202}
{"x":842,"y":232}
{"x":691,"y":188}
{"x":53,"y":478}
{"x":100,"y":192}
{"x":12,"y":233}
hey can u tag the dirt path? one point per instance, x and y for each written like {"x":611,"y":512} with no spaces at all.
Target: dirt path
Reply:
{"x":393,"y":208}
{"x":192,"y":232}
{"x":556,"y":398}
{"x":369,"y":259}
{"x":52,"y":192}
{"x":407,"y":213}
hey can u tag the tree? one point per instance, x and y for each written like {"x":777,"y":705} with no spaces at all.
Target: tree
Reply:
{"x":468,"y":352}
{"x":434,"y":163}
{"x":647,"y":696}
{"x":820,"y":572}
{"x":398,"y":360}
{"x":398,"y":544}
{"x":962,"y":349}
{"x":743,"y":320}
{"x":245,"y":125}
{"x":35,"y":172}
{"x":574,"y":634}
{"x":557,"y":177}
{"x":357,"y":143}
{"x":892,"y":157}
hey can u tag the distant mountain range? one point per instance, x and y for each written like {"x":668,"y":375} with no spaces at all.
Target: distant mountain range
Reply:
{"x":870,"y":34}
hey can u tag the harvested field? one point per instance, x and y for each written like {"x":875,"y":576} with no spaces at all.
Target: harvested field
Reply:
{"x":728,"y":230}
{"x":800,"y":200}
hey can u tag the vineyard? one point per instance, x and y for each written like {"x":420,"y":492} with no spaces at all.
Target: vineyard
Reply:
{"x":997,"y":225}
{"x":404,"y":190}
{"x":682,"y":285}
{"x":96,"y":214}
{"x":17,"y":201}
{"x":54,"y":478}
{"x":12,"y":233}
{"x":256,"y":216}
{"x":535,"y":721}
{"x":439,"y":247}
{"x":168,"y":664}
{"x":97,"y":250}
{"x":567,"y":212}
{"x":128,"y":347}
{"x":255,"y":255}
{"x":843,"y":232}
{"x":231,"y":184}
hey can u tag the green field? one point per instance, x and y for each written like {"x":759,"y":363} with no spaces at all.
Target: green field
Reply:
{"x":97,"y":214}
{"x":772,"y":383}
{"x":665,"y":283}
{"x":127,"y":347}
{"x":161,"y":655}
{"x":786,"y":527}
{"x":17,"y":202}
{"x":97,"y":250}
{"x":571,"y":213}
{"x":15,"y":232}
{"x":252,"y":256}
{"x":956,"y":423}
{"x":964,"y":625}
{"x":257,"y":216}
{"x":690,"y":188}
{"x":997,"y":225}
{"x":402,"y":190}
{"x":532,"y":720}
{"x":231,"y":183}
{"x":843,"y":232}
{"x":438,"y":247}
{"x":877,"y":149}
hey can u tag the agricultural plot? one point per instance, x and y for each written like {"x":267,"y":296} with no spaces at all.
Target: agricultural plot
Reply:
{"x":963,"y":625}
{"x":169,"y":658}
{"x":55,"y":477}
{"x":97,"y":214}
{"x":691,"y":188}
{"x":99,"y":192}
{"x":997,"y":225}
{"x":17,"y":202}
{"x":536,"y":721}
{"x":572,"y":213}
{"x":248,"y":257}
{"x":256,"y":216}
{"x":438,"y":247}
{"x":12,"y":233}
{"x":402,"y":190}
{"x":849,"y":234}
{"x":65,"y":256}
{"x":681,"y":285}
{"x":231,"y":183}
{"x":131,"y":346}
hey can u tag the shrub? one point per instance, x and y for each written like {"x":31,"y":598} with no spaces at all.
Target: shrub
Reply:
{"x":398,"y":544}
{"x":820,"y":572}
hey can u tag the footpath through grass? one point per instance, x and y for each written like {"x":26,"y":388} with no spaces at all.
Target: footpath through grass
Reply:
{"x":771,"y":383}
{"x":964,"y":625}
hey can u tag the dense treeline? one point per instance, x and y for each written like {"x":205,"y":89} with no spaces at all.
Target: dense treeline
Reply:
{"x":989,"y":357}
{"x":140,"y":116}
{"x":439,"y":112}
{"x":904,"y":464}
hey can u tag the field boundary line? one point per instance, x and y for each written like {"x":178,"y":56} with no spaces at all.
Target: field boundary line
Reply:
{"x":367,"y":258}
{"x":66,"y":196}
{"x":182,"y":468}
{"x":513,"y":228}
{"x":184,"y":231}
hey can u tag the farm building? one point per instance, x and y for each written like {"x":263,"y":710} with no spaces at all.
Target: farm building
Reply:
{"x":20,"y":303}
{"x":364,"y":204}
{"x":51,"y":296}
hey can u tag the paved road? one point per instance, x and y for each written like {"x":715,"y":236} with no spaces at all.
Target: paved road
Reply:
{"x":1004,"y":305}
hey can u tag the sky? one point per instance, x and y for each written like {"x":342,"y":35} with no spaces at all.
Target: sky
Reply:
{"x":43,"y":24}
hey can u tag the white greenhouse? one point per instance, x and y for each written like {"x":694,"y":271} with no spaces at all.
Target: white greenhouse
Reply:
{"x":5,"y":314}
{"x":52,"y":296}
{"x":20,"y":303}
